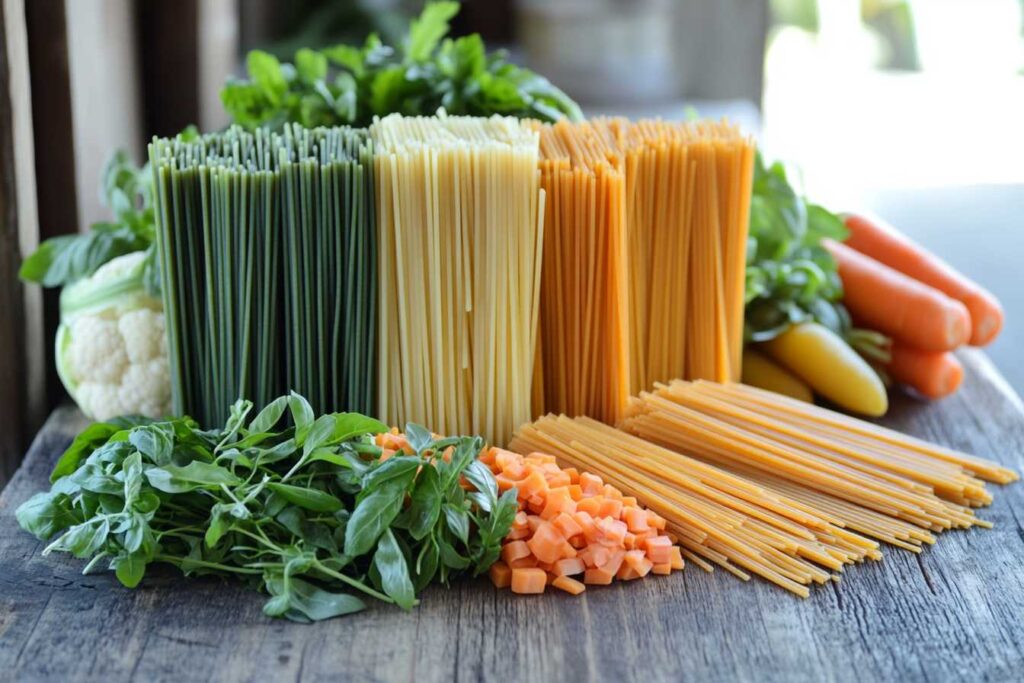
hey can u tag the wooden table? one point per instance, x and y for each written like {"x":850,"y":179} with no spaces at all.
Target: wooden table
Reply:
{"x":954,"y":612}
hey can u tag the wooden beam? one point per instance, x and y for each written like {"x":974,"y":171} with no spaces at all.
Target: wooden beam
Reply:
{"x":23,"y":399}
{"x":168,"y":34}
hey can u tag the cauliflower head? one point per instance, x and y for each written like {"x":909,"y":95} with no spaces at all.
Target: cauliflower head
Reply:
{"x":112,"y":343}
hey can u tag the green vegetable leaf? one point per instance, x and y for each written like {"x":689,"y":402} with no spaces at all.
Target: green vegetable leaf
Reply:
{"x":308,"y":498}
{"x":458,"y":522}
{"x":265,"y":71}
{"x":129,"y":569}
{"x":310,"y":65}
{"x":396,"y":471}
{"x":44,"y":514}
{"x":173,"y":479}
{"x":371,"y":517}
{"x":426,"y":31}
{"x":425,"y":503}
{"x":394,"y":571}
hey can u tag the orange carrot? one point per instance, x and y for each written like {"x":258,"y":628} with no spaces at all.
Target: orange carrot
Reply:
{"x":933,"y":374}
{"x":897,"y":305}
{"x":529,"y":581}
{"x":888,"y":245}
{"x":572,"y":523}
{"x":571,"y":586}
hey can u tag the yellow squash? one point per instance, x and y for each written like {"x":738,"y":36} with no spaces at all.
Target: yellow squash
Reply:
{"x":764,"y":373}
{"x":822,"y":359}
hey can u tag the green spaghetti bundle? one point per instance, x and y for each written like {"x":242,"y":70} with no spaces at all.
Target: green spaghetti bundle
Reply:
{"x":268,"y":263}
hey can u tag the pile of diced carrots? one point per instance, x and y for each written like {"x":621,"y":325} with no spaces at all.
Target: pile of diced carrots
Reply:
{"x":572,"y":524}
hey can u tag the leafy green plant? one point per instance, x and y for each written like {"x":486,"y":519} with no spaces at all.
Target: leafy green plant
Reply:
{"x":350,"y":85}
{"x":127,"y":190}
{"x":301,"y":512}
{"x":790,"y":277}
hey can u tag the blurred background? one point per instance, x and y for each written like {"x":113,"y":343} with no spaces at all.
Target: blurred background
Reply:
{"x":909,"y":108}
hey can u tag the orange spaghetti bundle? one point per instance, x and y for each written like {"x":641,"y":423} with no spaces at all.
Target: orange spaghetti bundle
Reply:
{"x":644,"y":257}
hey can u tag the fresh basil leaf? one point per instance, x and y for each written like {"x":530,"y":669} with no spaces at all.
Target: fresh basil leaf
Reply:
{"x":310,"y":499}
{"x":153,"y":441}
{"x":44,"y":514}
{"x":371,"y":517}
{"x":91,"y":438}
{"x":398,"y":470}
{"x":418,"y":437}
{"x":458,"y":522}
{"x":348,"y":426}
{"x":310,"y":65}
{"x":129,"y":569}
{"x":265,"y":71}
{"x":82,"y":540}
{"x":174,"y":479}
{"x":425,"y":503}
{"x":269,"y":416}
{"x":302,"y":414}
{"x":480,"y":476}
{"x":394,"y":571}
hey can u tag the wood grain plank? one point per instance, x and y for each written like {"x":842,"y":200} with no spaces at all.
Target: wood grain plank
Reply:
{"x":952,"y":612}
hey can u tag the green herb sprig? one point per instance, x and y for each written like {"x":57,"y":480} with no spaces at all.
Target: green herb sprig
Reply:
{"x":345,"y":84}
{"x":127,"y":190}
{"x":790,"y":277}
{"x":308,"y":513}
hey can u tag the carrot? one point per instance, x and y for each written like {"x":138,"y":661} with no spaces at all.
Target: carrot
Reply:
{"x":571,"y":586}
{"x":897,"y":305}
{"x":529,"y":581}
{"x":888,"y":245}
{"x":572,"y":523}
{"x":501,"y":574}
{"x":933,"y":374}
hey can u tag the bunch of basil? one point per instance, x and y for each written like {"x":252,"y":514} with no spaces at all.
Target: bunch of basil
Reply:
{"x":350,"y":85}
{"x":300,"y":511}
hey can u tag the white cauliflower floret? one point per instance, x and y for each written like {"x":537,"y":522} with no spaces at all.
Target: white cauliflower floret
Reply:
{"x":143,"y":334}
{"x":97,"y":350}
{"x":111,"y":344}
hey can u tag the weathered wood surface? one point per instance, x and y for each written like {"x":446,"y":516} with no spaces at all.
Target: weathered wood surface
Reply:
{"x":953,"y":613}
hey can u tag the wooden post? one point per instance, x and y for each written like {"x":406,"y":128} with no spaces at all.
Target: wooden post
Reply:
{"x":23,"y":396}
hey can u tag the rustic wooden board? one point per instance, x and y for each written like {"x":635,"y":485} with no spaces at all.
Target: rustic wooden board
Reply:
{"x":954,"y":612}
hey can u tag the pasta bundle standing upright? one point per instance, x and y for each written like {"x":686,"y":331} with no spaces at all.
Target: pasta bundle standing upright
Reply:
{"x":460,"y":225}
{"x":644,"y":259}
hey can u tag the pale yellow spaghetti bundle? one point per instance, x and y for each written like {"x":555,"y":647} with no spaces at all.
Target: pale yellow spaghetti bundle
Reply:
{"x":460,"y":238}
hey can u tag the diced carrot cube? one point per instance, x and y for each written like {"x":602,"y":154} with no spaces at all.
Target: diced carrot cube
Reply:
{"x":490,"y":457}
{"x":569,"y":566}
{"x":523,"y":562}
{"x":565,"y":523}
{"x":542,"y":457}
{"x":574,"y":474}
{"x":610,"y":508}
{"x":548,"y":567}
{"x":558,"y":479}
{"x":597,"y":576}
{"x":514,"y":550}
{"x":640,"y":564}
{"x":505,"y":459}
{"x":591,"y":484}
{"x":570,"y":586}
{"x":612,"y":492}
{"x":676,"y":559}
{"x":529,"y":580}
{"x":519,"y":521}
{"x":663,"y":569}
{"x":613,"y":530}
{"x":626,"y":573}
{"x":590,"y":505}
{"x":576,"y":492}
{"x":546,"y":543}
{"x":533,"y":521}
{"x":558,"y":500}
{"x":657,"y":521}
{"x":658,"y":549}
{"x":629,"y":542}
{"x":504,"y":483}
{"x":516,"y":471}
{"x":578,"y":542}
{"x":630,"y":501}
{"x":518,"y":534}
{"x":501,"y":574}
{"x":614,"y":561}
{"x":635,"y":518}
{"x":532,"y":485}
